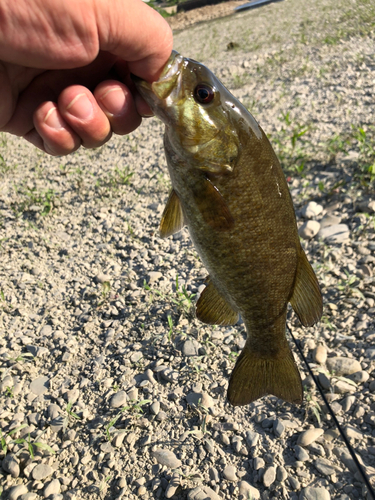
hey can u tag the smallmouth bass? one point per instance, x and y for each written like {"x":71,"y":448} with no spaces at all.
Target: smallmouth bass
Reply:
{"x":229,"y":189}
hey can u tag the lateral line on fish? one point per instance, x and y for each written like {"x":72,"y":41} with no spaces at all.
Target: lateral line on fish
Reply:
{"x":331,"y":412}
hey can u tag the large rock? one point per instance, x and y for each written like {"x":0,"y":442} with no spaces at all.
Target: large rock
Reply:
{"x":343,"y":366}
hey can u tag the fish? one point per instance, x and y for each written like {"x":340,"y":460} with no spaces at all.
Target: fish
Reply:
{"x":229,"y":189}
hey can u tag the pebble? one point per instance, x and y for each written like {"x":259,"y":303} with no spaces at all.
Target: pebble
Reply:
{"x":309,"y":436}
{"x":359,"y":377}
{"x":343,"y":366}
{"x":41,"y":471}
{"x":353,"y":433}
{"x":337,"y":233}
{"x":52,"y":488}
{"x":347,"y":403}
{"x":281,"y":473}
{"x":190,"y":348}
{"x":258,"y":463}
{"x":301,"y":454}
{"x":312,"y":209}
{"x":229,"y":473}
{"x":248,"y":491}
{"x":203,"y":493}
{"x":342,"y":387}
{"x":10,"y":465}
{"x":155,"y":407}
{"x":309,"y":229}
{"x":154,"y":276}
{"x":167,"y":458}
{"x":40,"y":385}
{"x":17,"y":491}
{"x":324,"y":381}
{"x":269,"y":476}
{"x":325,"y":467}
{"x":118,"y":399}
{"x":252,"y":438}
{"x":320,"y":354}
{"x":197,"y":399}
{"x":278,"y":427}
{"x":329,"y":220}
{"x":174,"y":483}
{"x":311,"y":493}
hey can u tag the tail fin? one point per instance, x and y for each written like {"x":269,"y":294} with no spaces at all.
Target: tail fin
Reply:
{"x":254,"y":377}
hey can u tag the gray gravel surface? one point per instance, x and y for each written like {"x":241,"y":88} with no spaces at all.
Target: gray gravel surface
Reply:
{"x":109,"y":387}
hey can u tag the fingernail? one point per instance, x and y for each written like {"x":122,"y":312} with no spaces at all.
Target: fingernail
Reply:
{"x":53,"y":119}
{"x":113,"y":101}
{"x":80,"y":107}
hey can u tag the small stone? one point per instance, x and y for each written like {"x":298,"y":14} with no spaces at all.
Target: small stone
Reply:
{"x":281,"y":473}
{"x":102,"y":278}
{"x":343,"y":366}
{"x":301,"y":454}
{"x":278,"y":427}
{"x":174,"y":483}
{"x":190,"y":348}
{"x":347,"y":403}
{"x":203,"y":493}
{"x":309,"y":229}
{"x":214,"y":475}
{"x":312,"y":209}
{"x":324,"y":381}
{"x":17,"y":491}
{"x":52,"y":488}
{"x":161,"y":416}
{"x":309,"y":436}
{"x":53,"y":411}
{"x":310,"y":493}
{"x":155,"y":407}
{"x":258,"y":463}
{"x":329,"y":220}
{"x":136,"y":356}
{"x":359,"y":377}
{"x":142,"y":490}
{"x":342,"y":387}
{"x":41,"y":471}
{"x":325,"y":467}
{"x":167,"y":458}
{"x":230,"y":473}
{"x":337,"y":233}
{"x":10,"y":465}
{"x":269,"y":476}
{"x":197,"y":399}
{"x":46,"y":331}
{"x":320,"y":354}
{"x":294,"y":483}
{"x":154,"y":276}
{"x":118,"y":399}
{"x":248,"y":491}
{"x":252,"y":438}
{"x":28,"y":496}
{"x":39,"y":385}
{"x":352,"y":432}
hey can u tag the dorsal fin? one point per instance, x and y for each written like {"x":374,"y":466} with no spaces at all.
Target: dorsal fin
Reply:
{"x":307,"y":299}
{"x":213,"y":309}
{"x":172,"y":219}
{"x":212,"y":206}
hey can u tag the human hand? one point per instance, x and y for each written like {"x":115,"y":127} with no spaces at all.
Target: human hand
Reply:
{"x":65,"y":66}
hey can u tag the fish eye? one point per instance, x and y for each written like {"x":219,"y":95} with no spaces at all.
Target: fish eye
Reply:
{"x":204,"y":93}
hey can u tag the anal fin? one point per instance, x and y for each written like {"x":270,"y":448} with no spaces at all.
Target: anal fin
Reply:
{"x":307,"y":299}
{"x":172,"y":219}
{"x":254,"y":377}
{"x":213,"y":309}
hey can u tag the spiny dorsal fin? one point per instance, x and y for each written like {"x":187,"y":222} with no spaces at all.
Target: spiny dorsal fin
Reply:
{"x":172,"y":219}
{"x":212,"y":309}
{"x":212,"y":206}
{"x":254,"y":377}
{"x":307,"y":299}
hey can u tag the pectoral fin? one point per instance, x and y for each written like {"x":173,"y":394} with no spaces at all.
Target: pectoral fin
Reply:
{"x":307,"y":299}
{"x":212,"y":206}
{"x":212,"y":309}
{"x":172,"y":219}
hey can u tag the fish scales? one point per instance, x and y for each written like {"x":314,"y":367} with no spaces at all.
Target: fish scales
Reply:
{"x":229,"y":188}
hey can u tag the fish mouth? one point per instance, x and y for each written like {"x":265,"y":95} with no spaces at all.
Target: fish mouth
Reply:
{"x":163,"y":87}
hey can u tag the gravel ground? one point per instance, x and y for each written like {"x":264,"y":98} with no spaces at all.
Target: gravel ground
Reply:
{"x":109,"y":387}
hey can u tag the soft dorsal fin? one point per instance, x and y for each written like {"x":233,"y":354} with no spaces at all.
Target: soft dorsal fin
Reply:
{"x":212,"y":206}
{"x":212,"y":309}
{"x":307,"y":299}
{"x":172,"y":219}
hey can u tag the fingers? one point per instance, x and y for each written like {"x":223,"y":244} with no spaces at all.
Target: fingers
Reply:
{"x":82,"y":118}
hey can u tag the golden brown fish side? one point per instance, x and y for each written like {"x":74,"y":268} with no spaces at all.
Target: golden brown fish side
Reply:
{"x":253,"y":256}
